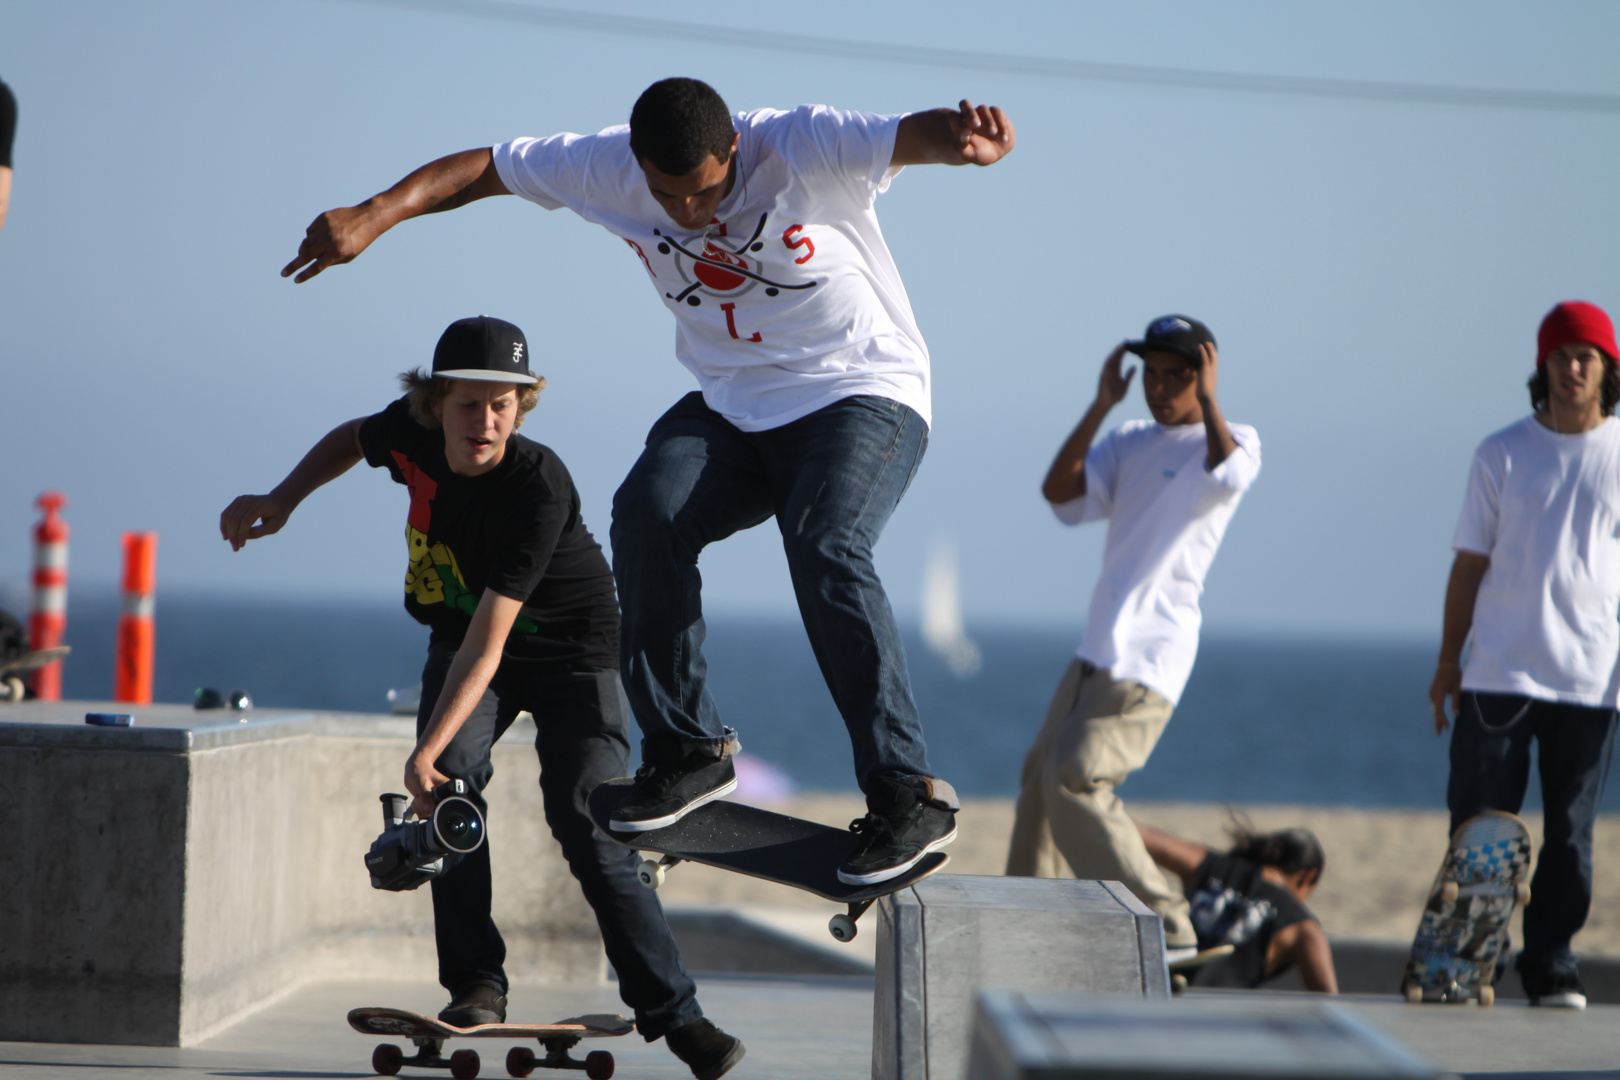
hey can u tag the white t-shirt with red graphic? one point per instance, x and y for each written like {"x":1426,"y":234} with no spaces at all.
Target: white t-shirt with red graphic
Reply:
{"x":790,"y":300}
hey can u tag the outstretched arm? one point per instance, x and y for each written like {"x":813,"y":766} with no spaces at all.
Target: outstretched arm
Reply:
{"x":469,"y":675}
{"x":337,"y":236}
{"x":965,"y":135}
{"x":1066,"y":479}
{"x":1306,"y":944}
{"x":1467,"y":571}
{"x":1180,"y":857}
{"x":252,"y":516}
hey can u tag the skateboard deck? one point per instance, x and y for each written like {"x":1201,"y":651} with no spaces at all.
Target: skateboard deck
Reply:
{"x":11,"y":687}
{"x":759,"y":843}
{"x":430,"y":1034}
{"x":1465,"y":922}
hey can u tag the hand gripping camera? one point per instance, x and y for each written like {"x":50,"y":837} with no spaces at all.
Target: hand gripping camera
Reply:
{"x":411,"y":852}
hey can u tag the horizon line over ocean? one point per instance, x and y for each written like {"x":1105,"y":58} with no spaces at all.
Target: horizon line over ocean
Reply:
{"x":1267,"y":718}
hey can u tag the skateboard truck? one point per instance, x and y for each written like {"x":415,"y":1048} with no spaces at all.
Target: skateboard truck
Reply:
{"x":651,"y":873}
{"x":387,"y":1059}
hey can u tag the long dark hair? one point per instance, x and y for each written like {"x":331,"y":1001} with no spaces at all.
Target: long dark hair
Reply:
{"x":1610,"y":393}
{"x":1289,"y":850}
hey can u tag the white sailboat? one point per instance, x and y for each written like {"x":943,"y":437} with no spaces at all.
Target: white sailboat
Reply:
{"x":942,"y":628}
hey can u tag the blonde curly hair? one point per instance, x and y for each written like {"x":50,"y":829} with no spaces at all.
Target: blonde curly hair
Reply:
{"x":426,"y":393}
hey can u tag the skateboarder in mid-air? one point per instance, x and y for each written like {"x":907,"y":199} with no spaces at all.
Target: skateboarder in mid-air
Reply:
{"x":758,"y":232}
{"x":520,"y":602}
{"x":1535,"y":580}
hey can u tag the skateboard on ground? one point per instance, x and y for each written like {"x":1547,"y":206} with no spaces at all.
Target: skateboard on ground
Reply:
{"x":762,"y":844}
{"x":11,"y":687}
{"x":429,"y":1035}
{"x":1465,"y":922}
{"x":1179,"y":969}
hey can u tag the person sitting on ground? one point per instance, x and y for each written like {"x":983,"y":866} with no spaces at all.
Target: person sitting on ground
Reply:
{"x":1252,"y":897}
{"x":520,"y":601}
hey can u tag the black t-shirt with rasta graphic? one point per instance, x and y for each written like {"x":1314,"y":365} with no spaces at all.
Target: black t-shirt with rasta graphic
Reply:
{"x":516,"y":529}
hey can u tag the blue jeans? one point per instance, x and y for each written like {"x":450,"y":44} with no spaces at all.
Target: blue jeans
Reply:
{"x":1490,"y":768}
{"x":831,"y":479}
{"x":582,"y":739}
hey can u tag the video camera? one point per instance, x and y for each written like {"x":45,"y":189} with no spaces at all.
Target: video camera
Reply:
{"x":411,"y":852}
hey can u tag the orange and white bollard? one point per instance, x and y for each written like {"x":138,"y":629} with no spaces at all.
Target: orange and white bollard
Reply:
{"x":47,"y":622}
{"x":137,"y":635}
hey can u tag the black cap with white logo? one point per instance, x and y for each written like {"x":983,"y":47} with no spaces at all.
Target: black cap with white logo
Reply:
{"x":484,"y":350}
{"x":1173,"y":334}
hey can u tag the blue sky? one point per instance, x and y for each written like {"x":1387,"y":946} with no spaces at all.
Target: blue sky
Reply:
{"x":1374,"y":271}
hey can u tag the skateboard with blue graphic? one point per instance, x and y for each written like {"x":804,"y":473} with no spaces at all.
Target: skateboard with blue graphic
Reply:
{"x":1465,"y":923}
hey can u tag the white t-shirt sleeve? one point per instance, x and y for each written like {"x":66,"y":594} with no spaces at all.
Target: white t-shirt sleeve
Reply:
{"x":1102,"y":479}
{"x":854,"y":147}
{"x":1242,"y":465}
{"x":553,"y":172}
{"x":1476,"y":525}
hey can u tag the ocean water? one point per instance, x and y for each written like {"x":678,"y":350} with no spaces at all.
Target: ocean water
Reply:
{"x":1263,"y":720}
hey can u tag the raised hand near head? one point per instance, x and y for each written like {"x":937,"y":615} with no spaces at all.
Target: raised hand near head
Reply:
{"x":1112,"y":386}
{"x":1208,"y":368}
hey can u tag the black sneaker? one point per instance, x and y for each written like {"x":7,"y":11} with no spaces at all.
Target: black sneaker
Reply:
{"x":665,"y":792}
{"x":709,"y":1052}
{"x":906,"y":820}
{"x":1555,"y":990}
{"x":474,"y":1005}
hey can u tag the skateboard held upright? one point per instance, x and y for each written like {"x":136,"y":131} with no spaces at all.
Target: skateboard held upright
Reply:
{"x":759,"y":843}
{"x":1465,"y":922}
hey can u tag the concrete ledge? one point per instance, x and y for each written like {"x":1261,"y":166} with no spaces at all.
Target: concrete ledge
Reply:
{"x":173,"y":876}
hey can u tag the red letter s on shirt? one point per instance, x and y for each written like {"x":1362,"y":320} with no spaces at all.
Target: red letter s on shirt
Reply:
{"x":802,"y":242}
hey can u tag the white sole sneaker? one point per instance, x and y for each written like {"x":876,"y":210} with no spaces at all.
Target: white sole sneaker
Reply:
{"x":649,"y":824}
{"x":889,"y":873}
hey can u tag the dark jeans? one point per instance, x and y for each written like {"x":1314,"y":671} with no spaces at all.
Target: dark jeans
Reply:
{"x":1490,"y":767}
{"x":582,"y":740}
{"x":831,"y":479}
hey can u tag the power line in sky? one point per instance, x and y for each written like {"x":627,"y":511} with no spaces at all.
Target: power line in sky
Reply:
{"x":1010,"y":64}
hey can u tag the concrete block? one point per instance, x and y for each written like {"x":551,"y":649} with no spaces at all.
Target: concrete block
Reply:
{"x":952,"y":935}
{"x":165,"y":879}
{"x":1067,"y":1036}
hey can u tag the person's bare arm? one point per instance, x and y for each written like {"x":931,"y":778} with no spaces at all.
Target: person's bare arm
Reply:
{"x":1216,"y":433}
{"x":252,"y":516}
{"x":464,"y":684}
{"x":1180,"y":857}
{"x":1066,"y":479}
{"x":966,"y":135}
{"x":337,"y":236}
{"x":5,"y":194}
{"x":1462,"y":590}
{"x":1306,"y":944}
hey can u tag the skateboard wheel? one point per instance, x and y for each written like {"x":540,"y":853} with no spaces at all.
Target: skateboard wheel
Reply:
{"x":1178,"y":983}
{"x":842,"y":927}
{"x":1448,"y":891}
{"x":598,"y":1065}
{"x":14,"y":689}
{"x":1521,"y":894}
{"x":1487,"y":996}
{"x":1414,"y":994}
{"x":386,"y":1059}
{"x":650,"y":874}
{"x":464,"y":1064}
{"x":519,"y":1061}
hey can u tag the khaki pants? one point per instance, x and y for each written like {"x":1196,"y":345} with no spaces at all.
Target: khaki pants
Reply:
{"x":1097,"y":732}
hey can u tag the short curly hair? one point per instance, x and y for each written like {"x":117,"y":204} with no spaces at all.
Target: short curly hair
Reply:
{"x":427,"y":392}
{"x":676,"y":123}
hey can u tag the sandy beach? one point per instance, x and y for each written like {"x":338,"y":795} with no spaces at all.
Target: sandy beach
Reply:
{"x":1380,"y":863}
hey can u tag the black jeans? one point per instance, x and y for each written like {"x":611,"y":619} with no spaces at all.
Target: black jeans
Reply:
{"x":583,"y":739}
{"x":831,"y":480}
{"x":1490,"y":767}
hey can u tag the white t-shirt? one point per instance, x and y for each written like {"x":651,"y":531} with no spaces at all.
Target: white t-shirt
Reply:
{"x":1545,"y":508}
{"x":790,"y":300}
{"x":1166,"y":516}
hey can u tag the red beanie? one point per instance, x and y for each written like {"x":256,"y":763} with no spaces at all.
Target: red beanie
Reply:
{"x":1575,"y":322}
